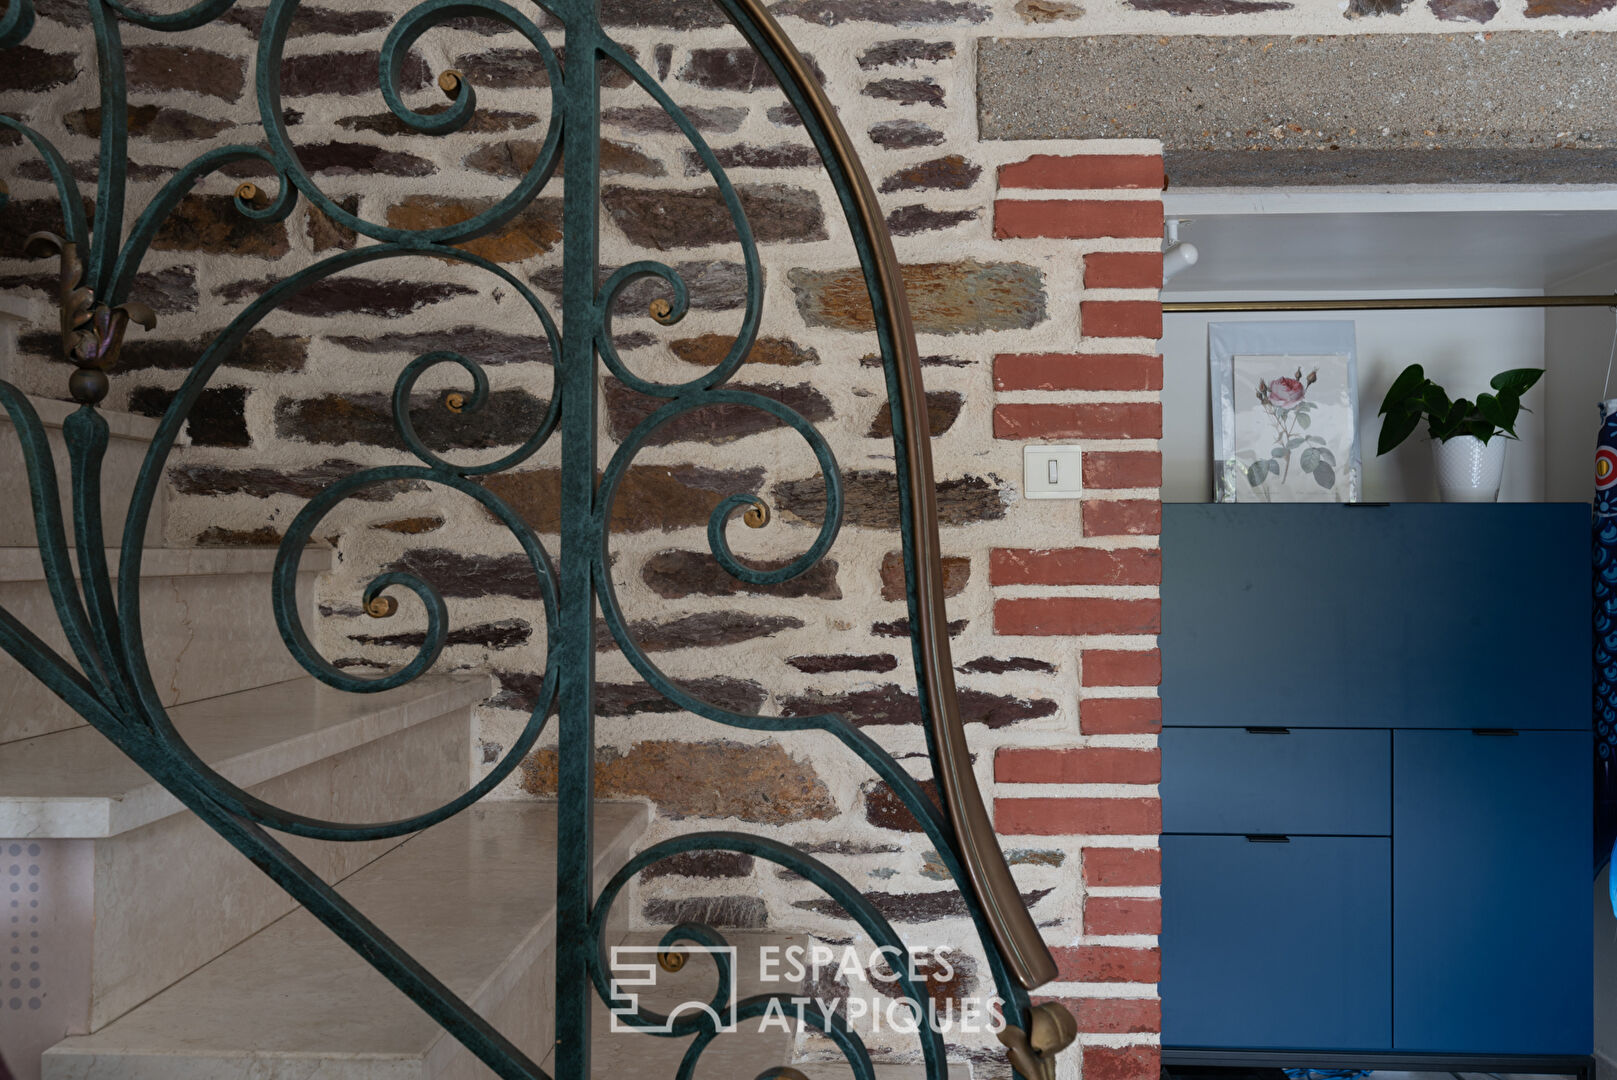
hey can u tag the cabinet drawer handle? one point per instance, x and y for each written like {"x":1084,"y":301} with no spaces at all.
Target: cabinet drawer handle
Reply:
{"x":1493,"y":731}
{"x":1267,"y":838}
{"x":1268,"y":731}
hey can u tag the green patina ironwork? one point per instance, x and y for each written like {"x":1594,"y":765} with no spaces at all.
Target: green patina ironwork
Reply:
{"x":112,"y":687}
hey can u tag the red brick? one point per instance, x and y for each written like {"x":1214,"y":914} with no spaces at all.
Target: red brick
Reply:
{"x":1084,"y":172}
{"x":1078,"y":817}
{"x":1075,"y":615}
{"x":1123,"y":270}
{"x":1121,"y":667}
{"x":1081,"y":420}
{"x":1121,"y":318}
{"x":1107,"y":963}
{"x":1123,"y":469}
{"x":1077,"y":371}
{"x":1120,"y":716}
{"x":1122,"y":517}
{"x":1075,"y":566}
{"x":1113,"y":1016}
{"x":1077,"y":765}
{"x":1122,"y":915}
{"x":1122,"y":1063}
{"x":1110,"y":867}
{"x":1076,"y":219}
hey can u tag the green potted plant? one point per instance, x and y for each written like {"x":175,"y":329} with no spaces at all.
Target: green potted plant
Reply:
{"x":1468,"y":437}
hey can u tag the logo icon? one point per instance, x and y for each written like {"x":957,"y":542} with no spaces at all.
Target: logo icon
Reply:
{"x":635,"y":970}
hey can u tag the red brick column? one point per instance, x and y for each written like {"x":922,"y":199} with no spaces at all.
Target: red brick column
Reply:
{"x":1096,"y":786}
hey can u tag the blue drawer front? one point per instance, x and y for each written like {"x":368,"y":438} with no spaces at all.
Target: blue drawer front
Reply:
{"x":1411,"y":615}
{"x":1229,"y":780}
{"x":1493,"y":940}
{"x":1276,"y":946}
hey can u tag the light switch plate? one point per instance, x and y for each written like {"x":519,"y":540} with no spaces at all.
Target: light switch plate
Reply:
{"x":1052,"y":472}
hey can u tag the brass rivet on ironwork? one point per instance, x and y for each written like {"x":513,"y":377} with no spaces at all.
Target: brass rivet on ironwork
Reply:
{"x":757,"y":515}
{"x":661,"y":309}
{"x":382,"y":607}
{"x":455,"y":401}
{"x":247,"y":191}
{"x":670,"y":961}
{"x":449,"y":82}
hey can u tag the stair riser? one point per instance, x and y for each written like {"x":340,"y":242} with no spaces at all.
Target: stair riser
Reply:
{"x":205,"y":636}
{"x":126,"y":916}
{"x":120,"y":467}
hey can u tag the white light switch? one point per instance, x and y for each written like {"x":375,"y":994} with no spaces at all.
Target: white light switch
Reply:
{"x":1052,"y":472}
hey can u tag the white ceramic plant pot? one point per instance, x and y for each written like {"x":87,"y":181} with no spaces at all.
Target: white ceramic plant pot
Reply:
{"x":1468,"y":469}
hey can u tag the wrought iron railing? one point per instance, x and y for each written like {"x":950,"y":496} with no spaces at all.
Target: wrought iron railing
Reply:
{"x":112,"y":687}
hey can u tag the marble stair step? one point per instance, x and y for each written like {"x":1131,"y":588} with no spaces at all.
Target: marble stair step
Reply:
{"x":126,"y":450}
{"x":472,"y":899}
{"x":110,"y":891}
{"x":206,"y":617}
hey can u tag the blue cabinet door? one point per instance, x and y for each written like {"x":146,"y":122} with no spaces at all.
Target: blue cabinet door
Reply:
{"x":1491,"y":931}
{"x":1411,"y":615}
{"x":1276,"y":945}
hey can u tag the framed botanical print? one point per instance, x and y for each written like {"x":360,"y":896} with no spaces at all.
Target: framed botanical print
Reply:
{"x":1285,"y":411}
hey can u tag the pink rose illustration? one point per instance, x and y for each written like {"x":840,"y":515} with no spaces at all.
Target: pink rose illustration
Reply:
{"x":1286,"y":392}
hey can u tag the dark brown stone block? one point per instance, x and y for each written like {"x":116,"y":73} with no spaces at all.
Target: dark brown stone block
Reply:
{"x":507,"y":418}
{"x":701,"y":780}
{"x":665,"y":14}
{"x":24,"y":217}
{"x":949,"y":173}
{"x":824,"y":665}
{"x":709,"y":351}
{"x":666,"y":219}
{"x":747,"y":156}
{"x":942,"y":409}
{"x":907,"y":52}
{"x":989,"y":665}
{"x":520,"y":690}
{"x":891,"y":704}
{"x":166,"y":292}
{"x":479,"y":344}
{"x":701,"y":864}
{"x":946,"y":298}
{"x":870,"y":499}
{"x":731,"y":912}
{"x":710,"y":286}
{"x":1578,"y":9}
{"x":720,"y":422}
{"x":31,"y":70}
{"x":783,"y":116}
{"x":906,"y":91}
{"x":212,"y":224}
{"x":885,"y":810}
{"x":219,"y":536}
{"x":911,"y":907}
{"x":956,"y":573}
{"x":483,"y":121}
{"x":734,"y":68}
{"x":649,"y":496}
{"x":325,"y":234}
{"x":1478,"y":11}
{"x":674,"y":575}
{"x":351,"y":296}
{"x":515,"y":157}
{"x":307,"y":21}
{"x":219,"y":417}
{"x":262,"y":483}
{"x":1210,"y":7}
{"x":358,"y":159}
{"x":650,"y":118}
{"x":707,"y":629}
{"x":154,"y":122}
{"x":909,"y":220}
{"x":1360,"y":8}
{"x":904,"y":134}
{"x":889,"y":12}
{"x":534,"y":231}
{"x":260,"y":351}
{"x":457,"y":574}
{"x":411,"y":526}
{"x":184,"y":67}
{"x":347,"y":73}
{"x":501,"y":634}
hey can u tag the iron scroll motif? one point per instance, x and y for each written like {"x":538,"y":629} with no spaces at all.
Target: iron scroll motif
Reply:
{"x":113,"y":689}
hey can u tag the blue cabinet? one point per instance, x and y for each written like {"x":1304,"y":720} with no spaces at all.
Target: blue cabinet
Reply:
{"x":1376,"y":782}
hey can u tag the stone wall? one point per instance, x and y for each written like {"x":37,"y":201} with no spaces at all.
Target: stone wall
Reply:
{"x":1032,"y":271}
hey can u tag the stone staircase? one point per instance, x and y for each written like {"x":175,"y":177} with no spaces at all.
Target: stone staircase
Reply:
{"x":135,"y":944}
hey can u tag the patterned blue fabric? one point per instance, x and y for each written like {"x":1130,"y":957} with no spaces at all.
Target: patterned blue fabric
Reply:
{"x":1605,"y":615}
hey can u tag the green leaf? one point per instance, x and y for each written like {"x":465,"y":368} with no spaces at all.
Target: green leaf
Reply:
{"x":1303,"y":421}
{"x":1491,"y":410}
{"x":1324,"y":475}
{"x":1435,"y":401}
{"x":1326,"y":455}
{"x":1321,"y":441}
{"x":1274,"y":466}
{"x":1256,"y":473}
{"x":1482,"y":429}
{"x":1447,"y":425}
{"x":1279,"y":451}
{"x":1406,"y":386}
{"x":1397,"y":427}
{"x":1294,"y":442}
{"x":1310,"y":459}
{"x":1517,"y":380}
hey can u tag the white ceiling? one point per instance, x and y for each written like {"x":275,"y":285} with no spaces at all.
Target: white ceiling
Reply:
{"x":1345,"y":242}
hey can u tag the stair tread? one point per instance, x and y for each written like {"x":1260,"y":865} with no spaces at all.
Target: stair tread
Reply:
{"x":471,"y":898}
{"x":22,"y":564}
{"x":76,"y":783}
